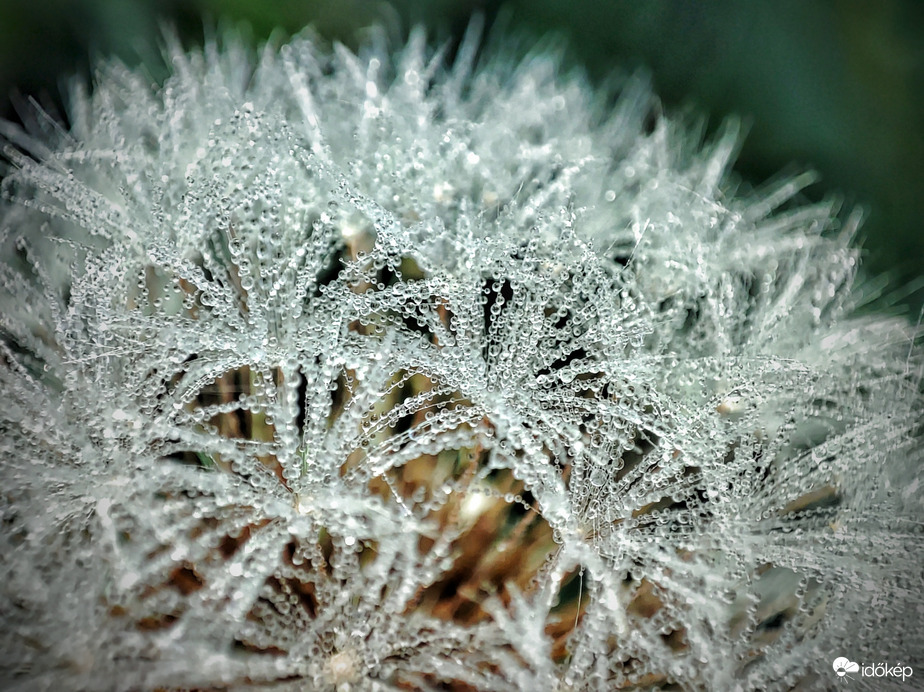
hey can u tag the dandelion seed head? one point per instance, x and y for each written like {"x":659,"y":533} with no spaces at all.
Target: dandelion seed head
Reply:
{"x":373,"y":371}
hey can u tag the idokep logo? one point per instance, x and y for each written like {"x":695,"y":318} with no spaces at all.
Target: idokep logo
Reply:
{"x":842,"y":666}
{"x":845,"y":668}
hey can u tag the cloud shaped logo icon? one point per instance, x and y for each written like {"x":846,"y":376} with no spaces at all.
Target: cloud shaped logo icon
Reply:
{"x":842,"y":666}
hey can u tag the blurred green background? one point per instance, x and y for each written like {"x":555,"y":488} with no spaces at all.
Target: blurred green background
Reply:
{"x":835,"y":85}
